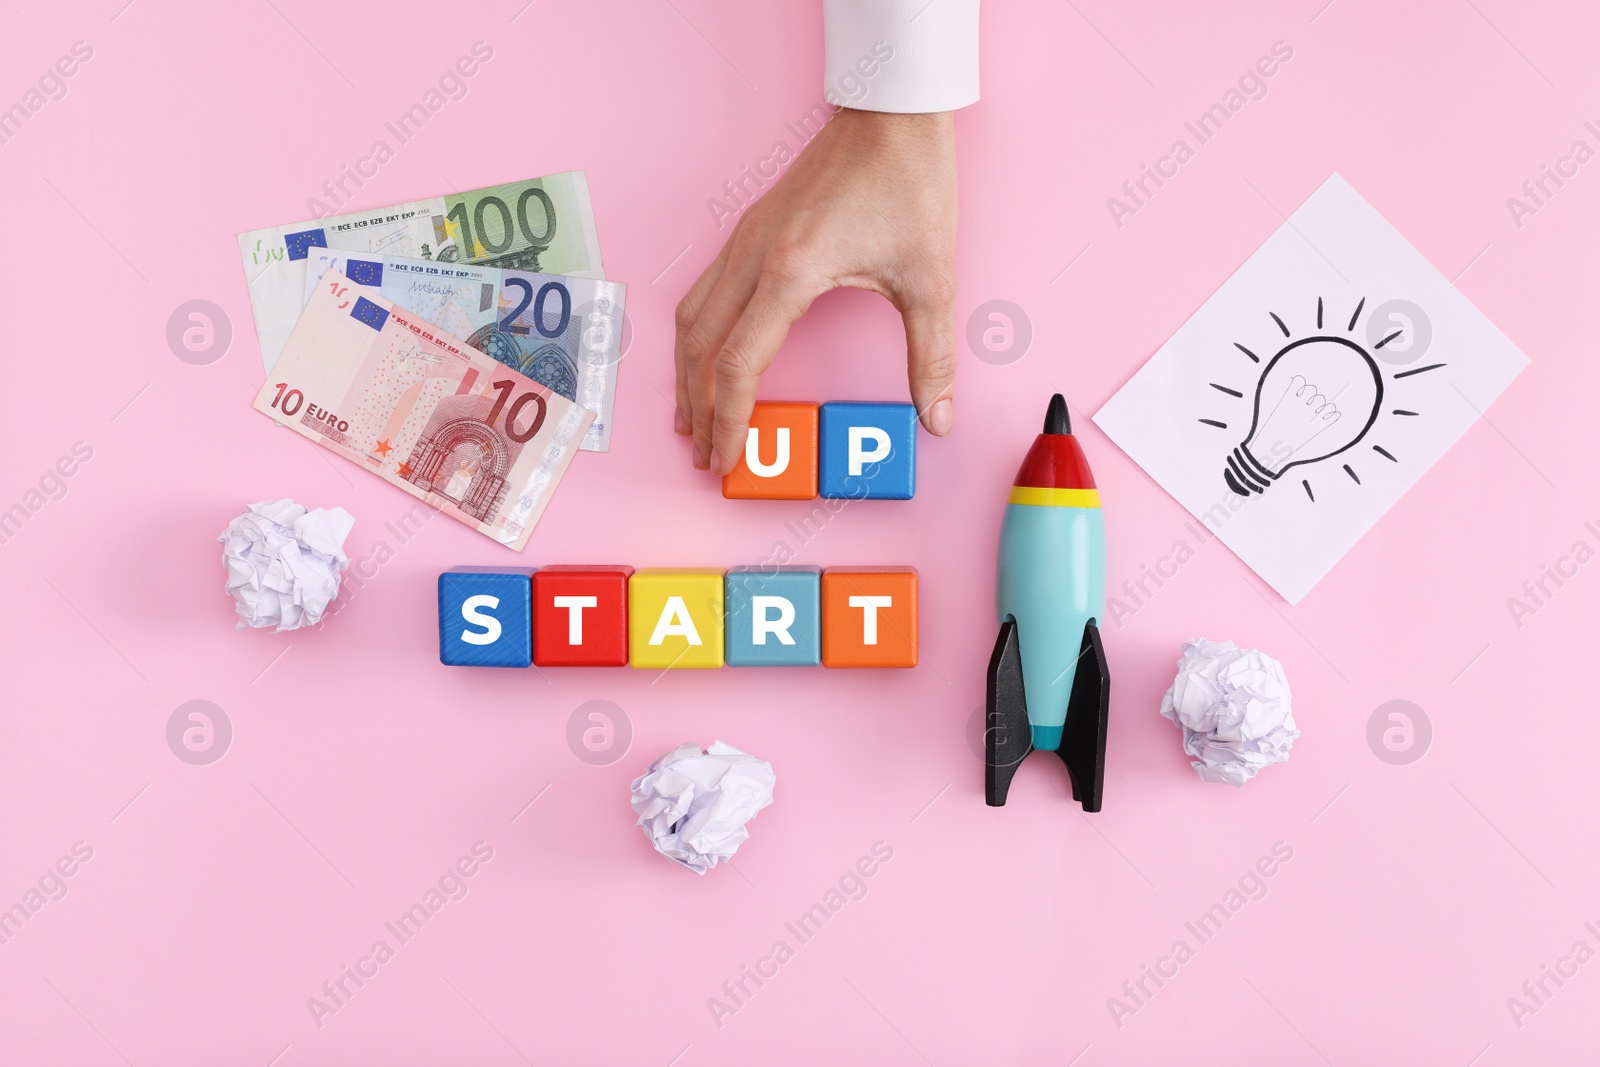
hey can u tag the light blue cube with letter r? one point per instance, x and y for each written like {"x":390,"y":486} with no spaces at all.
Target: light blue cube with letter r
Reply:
{"x":486,"y":617}
{"x":867,"y":451}
{"x":773,"y":617}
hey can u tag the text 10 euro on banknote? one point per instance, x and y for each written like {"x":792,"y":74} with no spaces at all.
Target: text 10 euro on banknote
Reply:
{"x":561,"y":331}
{"x":541,"y":224}
{"x":423,"y":410}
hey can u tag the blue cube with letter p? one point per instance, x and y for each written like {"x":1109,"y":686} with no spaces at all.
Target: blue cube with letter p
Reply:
{"x":868,"y":451}
{"x":486,"y":617}
{"x":773,"y":617}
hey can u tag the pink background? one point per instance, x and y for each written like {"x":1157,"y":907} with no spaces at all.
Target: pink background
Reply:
{"x":220,"y":898}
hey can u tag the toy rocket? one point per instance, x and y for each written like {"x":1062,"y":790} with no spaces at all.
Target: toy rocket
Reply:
{"x":1048,"y":684}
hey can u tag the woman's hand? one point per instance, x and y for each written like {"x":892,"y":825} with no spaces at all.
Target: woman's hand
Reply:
{"x":870,"y":203}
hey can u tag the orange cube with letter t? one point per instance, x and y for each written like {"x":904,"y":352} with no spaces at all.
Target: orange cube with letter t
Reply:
{"x":869,"y":617}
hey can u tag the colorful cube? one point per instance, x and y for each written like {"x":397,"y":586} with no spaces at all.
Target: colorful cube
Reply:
{"x":869,"y":617}
{"x":779,"y":461}
{"x":486,"y":617}
{"x":774,"y":616}
{"x":867,"y":451}
{"x":675,"y":618}
{"x":580,"y":616}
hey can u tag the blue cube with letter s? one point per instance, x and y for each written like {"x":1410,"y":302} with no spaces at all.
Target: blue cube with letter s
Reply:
{"x":486,"y":617}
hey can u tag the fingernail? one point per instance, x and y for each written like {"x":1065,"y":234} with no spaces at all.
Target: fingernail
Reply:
{"x":942,"y":416}
{"x":680,"y":425}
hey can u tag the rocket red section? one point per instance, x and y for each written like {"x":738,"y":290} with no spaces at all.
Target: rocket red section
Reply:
{"x":1055,"y":461}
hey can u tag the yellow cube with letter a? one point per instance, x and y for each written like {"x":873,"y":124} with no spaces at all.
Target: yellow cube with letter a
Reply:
{"x":675,"y":618}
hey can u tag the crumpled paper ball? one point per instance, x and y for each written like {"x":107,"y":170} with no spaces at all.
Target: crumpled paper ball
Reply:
{"x":1233,"y":705}
{"x":284,"y":561}
{"x":693,"y":804}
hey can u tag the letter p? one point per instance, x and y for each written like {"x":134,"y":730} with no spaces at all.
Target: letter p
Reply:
{"x":860,"y":456}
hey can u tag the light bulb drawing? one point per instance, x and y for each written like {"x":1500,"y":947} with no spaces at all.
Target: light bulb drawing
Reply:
{"x":1316,"y":398}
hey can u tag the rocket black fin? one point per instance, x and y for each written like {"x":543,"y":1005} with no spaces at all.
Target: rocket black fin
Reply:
{"x":1006,"y":736}
{"x":1083,"y":743}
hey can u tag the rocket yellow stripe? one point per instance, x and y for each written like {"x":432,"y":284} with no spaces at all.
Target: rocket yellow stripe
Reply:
{"x":1056,"y":498}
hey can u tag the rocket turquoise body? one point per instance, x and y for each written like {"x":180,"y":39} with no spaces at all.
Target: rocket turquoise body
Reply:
{"x":1051,"y":581}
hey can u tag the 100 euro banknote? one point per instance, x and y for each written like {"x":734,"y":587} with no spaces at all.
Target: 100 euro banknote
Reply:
{"x":561,"y":331}
{"x":423,"y":410}
{"x":541,"y":224}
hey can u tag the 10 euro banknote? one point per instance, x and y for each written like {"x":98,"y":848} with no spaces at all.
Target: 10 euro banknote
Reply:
{"x":561,"y":331}
{"x":422,"y":409}
{"x":541,"y":224}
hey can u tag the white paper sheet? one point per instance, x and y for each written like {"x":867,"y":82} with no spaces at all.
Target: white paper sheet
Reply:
{"x":1352,"y":410}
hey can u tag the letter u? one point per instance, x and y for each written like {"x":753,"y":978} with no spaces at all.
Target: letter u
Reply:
{"x":752,"y":454}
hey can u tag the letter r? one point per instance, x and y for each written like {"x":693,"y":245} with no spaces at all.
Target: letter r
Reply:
{"x":761,"y":607}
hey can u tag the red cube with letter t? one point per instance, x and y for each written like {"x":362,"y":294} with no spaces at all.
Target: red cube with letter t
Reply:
{"x":580,"y":616}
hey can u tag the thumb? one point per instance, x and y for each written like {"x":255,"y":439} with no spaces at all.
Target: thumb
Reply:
{"x":931,"y":362}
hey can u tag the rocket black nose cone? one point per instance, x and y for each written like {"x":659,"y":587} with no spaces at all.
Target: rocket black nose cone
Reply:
{"x":1056,"y":419}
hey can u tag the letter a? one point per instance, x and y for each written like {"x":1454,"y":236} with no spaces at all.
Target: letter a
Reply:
{"x":675,"y":622}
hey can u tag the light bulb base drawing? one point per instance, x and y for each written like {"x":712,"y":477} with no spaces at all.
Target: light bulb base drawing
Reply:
{"x":1244,"y":473}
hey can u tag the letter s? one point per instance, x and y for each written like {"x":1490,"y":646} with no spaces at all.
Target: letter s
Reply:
{"x":473,"y":617}
{"x":83,"y":50}
{"x":883,"y":851}
{"x":483,"y":850}
{"x":483,"y":50}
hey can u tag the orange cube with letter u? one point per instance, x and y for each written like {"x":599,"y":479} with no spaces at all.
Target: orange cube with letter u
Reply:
{"x":779,"y":461}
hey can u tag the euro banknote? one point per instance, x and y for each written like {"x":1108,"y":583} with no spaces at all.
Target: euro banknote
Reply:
{"x":422,"y":409}
{"x":541,"y":224}
{"x":561,"y":331}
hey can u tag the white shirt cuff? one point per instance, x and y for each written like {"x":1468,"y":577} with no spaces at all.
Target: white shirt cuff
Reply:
{"x":906,"y":56}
